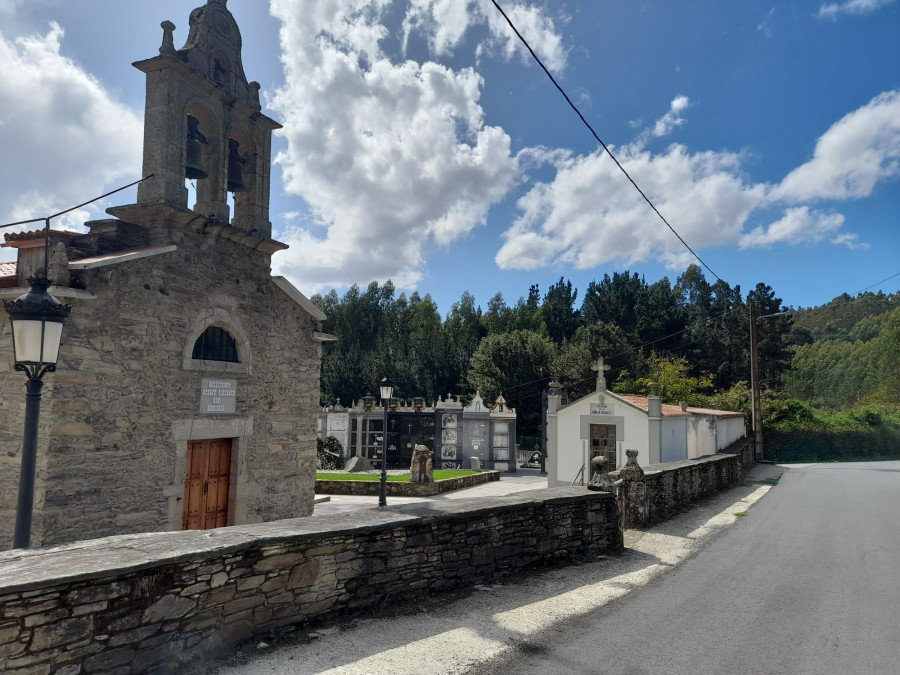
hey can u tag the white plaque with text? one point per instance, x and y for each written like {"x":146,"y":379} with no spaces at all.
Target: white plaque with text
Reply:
{"x":601,"y":409}
{"x":218,"y":396}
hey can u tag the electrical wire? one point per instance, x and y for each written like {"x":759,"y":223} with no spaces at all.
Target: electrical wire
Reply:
{"x":893,"y":276}
{"x":598,"y":139}
{"x":75,"y":208}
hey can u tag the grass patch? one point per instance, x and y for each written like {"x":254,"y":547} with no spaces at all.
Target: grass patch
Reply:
{"x":440,"y":474}
{"x":741,"y":514}
{"x":773,"y":480}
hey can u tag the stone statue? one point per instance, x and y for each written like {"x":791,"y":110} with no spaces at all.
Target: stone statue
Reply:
{"x":421,"y":469}
{"x":600,"y":479}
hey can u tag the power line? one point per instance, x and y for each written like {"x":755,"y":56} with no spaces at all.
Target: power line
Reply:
{"x":74,"y":208}
{"x":893,"y":276}
{"x":599,"y":140}
{"x":636,"y":348}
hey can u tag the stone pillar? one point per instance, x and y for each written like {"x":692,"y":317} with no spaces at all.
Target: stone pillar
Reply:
{"x":632,"y":493}
{"x":554,"y":401}
{"x":654,"y":424}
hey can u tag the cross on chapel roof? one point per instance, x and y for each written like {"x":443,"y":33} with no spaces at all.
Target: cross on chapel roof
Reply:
{"x":601,"y":369}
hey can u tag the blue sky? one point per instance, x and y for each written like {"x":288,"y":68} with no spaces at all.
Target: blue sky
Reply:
{"x":421,"y":145}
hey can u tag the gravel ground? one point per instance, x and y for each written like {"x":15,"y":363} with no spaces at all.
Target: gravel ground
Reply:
{"x":453,"y":634}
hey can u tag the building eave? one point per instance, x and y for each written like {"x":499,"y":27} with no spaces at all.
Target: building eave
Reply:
{"x":291,"y":291}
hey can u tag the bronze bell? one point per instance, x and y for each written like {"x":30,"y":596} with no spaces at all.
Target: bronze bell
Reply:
{"x":235,"y":170}
{"x":193,"y":163}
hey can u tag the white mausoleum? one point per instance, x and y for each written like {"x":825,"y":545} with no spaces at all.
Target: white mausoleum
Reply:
{"x":606,"y":424}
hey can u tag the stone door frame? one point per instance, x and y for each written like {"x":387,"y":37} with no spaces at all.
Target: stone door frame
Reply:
{"x":239,"y":429}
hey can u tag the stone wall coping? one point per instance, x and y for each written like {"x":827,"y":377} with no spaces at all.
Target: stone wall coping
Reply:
{"x":656,"y":469}
{"x":32,"y":569}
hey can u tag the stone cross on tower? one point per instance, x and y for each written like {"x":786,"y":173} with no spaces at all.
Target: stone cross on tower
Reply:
{"x":601,"y":369}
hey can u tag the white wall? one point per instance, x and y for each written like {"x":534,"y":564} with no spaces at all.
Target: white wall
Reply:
{"x":731,"y":429}
{"x":701,"y":436}
{"x":674,"y":439}
{"x":707,"y":434}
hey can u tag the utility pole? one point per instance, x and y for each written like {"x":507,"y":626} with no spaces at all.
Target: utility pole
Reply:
{"x":754,"y":387}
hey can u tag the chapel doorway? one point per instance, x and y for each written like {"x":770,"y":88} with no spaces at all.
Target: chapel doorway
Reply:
{"x":603,"y":444}
{"x":206,"y":484}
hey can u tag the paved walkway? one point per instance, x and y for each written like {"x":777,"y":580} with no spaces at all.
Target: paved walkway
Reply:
{"x":455,"y":638}
{"x":509,"y":483}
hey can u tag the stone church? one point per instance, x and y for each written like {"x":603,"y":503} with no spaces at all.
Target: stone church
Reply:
{"x":188,"y":382}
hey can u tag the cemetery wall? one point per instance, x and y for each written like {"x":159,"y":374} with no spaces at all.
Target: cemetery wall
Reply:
{"x":665,"y":489}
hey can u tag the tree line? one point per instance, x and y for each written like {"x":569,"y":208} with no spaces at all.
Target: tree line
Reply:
{"x":692,"y":334}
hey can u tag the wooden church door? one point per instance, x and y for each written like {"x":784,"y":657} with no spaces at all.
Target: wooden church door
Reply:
{"x":206,"y":485}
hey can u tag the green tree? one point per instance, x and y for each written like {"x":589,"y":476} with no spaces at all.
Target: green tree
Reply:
{"x":575,"y":358}
{"x":517,"y":365}
{"x":675,"y":383}
{"x":558,"y":313}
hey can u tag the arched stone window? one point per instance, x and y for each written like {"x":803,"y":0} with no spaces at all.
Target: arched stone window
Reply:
{"x":216,"y":344}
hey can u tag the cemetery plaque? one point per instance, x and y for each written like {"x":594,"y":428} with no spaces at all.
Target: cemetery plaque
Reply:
{"x":218,"y":396}
{"x":601,"y":409}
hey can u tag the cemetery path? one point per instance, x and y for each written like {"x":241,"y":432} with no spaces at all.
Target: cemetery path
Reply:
{"x":493,"y":624}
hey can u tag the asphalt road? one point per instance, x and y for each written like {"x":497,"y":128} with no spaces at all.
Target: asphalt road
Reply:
{"x":808,"y":582}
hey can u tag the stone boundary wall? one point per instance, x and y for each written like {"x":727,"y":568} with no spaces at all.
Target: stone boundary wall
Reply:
{"x":367,"y":487}
{"x":144,"y":603}
{"x":657,"y":492}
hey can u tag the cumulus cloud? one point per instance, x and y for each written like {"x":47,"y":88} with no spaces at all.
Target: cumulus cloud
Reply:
{"x":9,"y":6}
{"x":66,"y":135}
{"x":852,"y":157}
{"x":445,"y":23}
{"x":589,"y":214}
{"x":672,"y":119}
{"x":389,"y":157}
{"x":799,"y":225}
{"x":834,"y":10}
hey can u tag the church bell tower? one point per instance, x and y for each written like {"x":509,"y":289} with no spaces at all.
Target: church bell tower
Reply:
{"x":203,"y":122}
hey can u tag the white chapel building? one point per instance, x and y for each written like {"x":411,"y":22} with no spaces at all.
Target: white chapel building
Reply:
{"x":607,"y":424}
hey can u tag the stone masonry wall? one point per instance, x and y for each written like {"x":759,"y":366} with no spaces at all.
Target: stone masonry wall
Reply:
{"x":666,"y":489}
{"x":117,"y":414}
{"x":143,"y":603}
{"x":367,"y":487}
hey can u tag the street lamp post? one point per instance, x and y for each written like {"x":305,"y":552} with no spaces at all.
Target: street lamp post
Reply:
{"x":387,"y":392}
{"x":37,"y":320}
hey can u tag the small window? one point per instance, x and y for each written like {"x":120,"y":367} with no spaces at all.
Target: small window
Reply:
{"x":216,"y":345}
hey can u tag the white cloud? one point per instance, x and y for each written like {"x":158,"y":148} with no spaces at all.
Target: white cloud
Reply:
{"x":834,"y":10}
{"x":389,"y":157}
{"x":672,"y":119}
{"x":852,"y":157}
{"x":66,"y":137}
{"x":445,"y":23}
{"x":851,"y":241}
{"x":799,"y":225}
{"x":9,"y":6}
{"x":590,"y":214}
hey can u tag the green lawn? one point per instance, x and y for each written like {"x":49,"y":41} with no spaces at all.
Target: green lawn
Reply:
{"x":440,"y":474}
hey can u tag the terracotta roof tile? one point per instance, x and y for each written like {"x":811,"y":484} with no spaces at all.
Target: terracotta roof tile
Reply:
{"x":641,"y":402}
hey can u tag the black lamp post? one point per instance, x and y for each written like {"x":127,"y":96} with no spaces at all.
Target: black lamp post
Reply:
{"x":37,"y":320}
{"x":387,"y":392}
